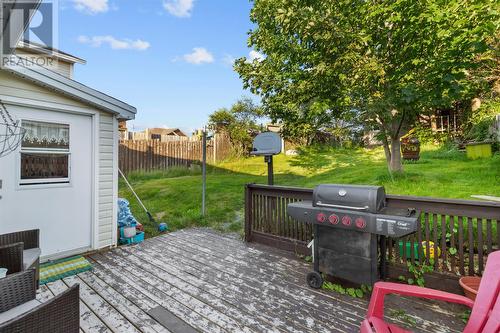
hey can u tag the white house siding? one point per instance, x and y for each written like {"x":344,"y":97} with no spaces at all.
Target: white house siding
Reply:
{"x":107,"y":169}
{"x":59,"y":66}
{"x":13,"y":87}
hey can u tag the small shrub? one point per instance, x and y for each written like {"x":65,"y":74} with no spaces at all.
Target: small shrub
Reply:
{"x":353,"y":292}
{"x":426,"y":135}
{"x":417,"y":272}
{"x":465,"y":316}
{"x":481,"y":131}
{"x":480,"y":122}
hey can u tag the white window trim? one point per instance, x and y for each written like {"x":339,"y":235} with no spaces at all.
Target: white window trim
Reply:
{"x":44,"y":182}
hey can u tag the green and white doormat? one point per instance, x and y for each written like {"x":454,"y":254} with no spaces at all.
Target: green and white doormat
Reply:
{"x":59,"y":269}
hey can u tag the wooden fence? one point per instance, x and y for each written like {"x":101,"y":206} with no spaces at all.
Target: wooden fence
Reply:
{"x":155,"y":155}
{"x":462,"y":232}
{"x":141,"y":136}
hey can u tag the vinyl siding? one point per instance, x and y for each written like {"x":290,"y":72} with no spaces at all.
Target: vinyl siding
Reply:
{"x":59,"y":66}
{"x":106,"y":180}
{"x":11,"y":85}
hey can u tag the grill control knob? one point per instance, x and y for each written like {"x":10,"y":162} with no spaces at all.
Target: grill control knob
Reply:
{"x":321,"y":217}
{"x":360,"y":223}
{"x":334,"y":219}
{"x":346,"y":220}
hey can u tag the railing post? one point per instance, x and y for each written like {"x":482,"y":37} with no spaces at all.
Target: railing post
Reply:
{"x":248,"y":213}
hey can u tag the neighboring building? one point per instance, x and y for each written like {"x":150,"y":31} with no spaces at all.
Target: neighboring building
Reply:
{"x":63,"y":179}
{"x":123,"y":130}
{"x":445,"y":121}
{"x":157,"y":133}
{"x":275,"y":128}
{"x":160,"y":134}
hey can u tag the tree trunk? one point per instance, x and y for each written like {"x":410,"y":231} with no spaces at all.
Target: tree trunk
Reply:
{"x":387,"y":150}
{"x":396,"y":165}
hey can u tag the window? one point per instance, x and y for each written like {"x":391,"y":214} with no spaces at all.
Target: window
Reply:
{"x":45,"y":153}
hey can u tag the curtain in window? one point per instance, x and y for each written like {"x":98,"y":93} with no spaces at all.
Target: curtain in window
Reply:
{"x":45,"y":153}
{"x":45,"y":135}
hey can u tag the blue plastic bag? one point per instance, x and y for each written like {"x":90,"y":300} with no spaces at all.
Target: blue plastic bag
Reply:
{"x":125,"y":217}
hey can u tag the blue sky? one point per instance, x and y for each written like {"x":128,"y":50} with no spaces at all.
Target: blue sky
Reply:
{"x":169,"y":58}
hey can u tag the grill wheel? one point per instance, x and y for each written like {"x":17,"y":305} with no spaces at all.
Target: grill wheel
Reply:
{"x":314,"y":280}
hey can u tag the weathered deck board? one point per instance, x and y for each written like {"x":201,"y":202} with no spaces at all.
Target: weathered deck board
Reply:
{"x":286,"y":300}
{"x":128,"y":309}
{"x":217,"y":283}
{"x":89,"y":322}
{"x":196,"y":288}
{"x":240,"y":255}
{"x":171,"y":290}
{"x":107,"y":313}
{"x":179,"y":309}
{"x":203,"y":251}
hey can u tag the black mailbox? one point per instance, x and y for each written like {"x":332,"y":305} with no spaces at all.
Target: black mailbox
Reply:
{"x":267,"y":144}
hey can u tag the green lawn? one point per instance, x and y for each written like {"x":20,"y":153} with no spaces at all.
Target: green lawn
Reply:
{"x":175,"y":196}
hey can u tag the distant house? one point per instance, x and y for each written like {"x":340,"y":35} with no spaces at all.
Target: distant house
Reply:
{"x":160,"y":134}
{"x":445,"y":120}
{"x":157,"y":133}
{"x":276,"y":128}
{"x":123,"y":130}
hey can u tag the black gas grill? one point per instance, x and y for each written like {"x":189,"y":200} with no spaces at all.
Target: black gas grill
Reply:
{"x":348,"y":224}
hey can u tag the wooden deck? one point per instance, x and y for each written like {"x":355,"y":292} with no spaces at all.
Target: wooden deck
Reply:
{"x":217,"y":283}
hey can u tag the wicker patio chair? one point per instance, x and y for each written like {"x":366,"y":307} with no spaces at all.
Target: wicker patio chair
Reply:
{"x":20,"y":251}
{"x":21,"y":312}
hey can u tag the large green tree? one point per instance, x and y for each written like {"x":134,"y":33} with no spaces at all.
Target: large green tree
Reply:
{"x":240,"y":123}
{"x":388,"y":60}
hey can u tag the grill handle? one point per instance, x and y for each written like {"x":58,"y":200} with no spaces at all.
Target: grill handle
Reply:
{"x":320,"y":204}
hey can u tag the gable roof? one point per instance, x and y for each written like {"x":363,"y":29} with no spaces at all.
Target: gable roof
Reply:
{"x":165,"y":131}
{"x":66,"y":86}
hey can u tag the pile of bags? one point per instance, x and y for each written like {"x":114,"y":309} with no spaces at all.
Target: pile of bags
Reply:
{"x":125,"y":217}
{"x":129,"y":230}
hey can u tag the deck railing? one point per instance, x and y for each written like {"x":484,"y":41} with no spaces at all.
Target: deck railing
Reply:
{"x":460,"y":233}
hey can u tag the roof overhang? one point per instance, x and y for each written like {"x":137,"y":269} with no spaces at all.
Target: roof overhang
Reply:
{"x":51,"y":52}
{"x":71,"y":88}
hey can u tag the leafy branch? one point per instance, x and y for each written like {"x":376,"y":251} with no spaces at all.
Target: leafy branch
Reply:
{"x":417,"y":272}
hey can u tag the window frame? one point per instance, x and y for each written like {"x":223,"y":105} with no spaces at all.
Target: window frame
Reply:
{"x":45,"y":182}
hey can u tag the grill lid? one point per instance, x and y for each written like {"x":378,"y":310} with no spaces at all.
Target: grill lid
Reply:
{"x":352,"y":197}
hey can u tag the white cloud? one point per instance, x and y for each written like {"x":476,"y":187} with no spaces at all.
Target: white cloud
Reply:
{"x":179,"y":8}
{"x":199,"y":56}
{"x":114,"y":43}
{"x":255,"y":55}
{"x":92,"y":6}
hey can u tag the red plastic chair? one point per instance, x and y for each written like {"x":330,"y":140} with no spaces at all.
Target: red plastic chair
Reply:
{"x":485,"y":316}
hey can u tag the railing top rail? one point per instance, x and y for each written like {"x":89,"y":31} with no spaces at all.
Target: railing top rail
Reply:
{"x":423,"y":200}
{"x":279,"y":188}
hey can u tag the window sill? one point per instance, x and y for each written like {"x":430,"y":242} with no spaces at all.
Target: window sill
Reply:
{"x":35,"y":186}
